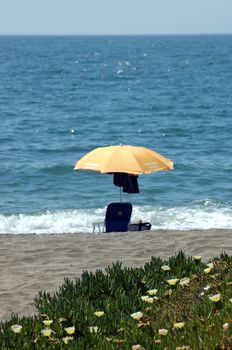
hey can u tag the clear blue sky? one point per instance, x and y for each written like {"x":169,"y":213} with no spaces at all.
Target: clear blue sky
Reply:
{"x":115,"y":16}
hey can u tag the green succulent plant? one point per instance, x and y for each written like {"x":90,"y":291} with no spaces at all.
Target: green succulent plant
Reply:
{"x":133,"y":308}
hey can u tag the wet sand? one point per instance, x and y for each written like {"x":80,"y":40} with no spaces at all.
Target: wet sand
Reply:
{"x":30,"y":263}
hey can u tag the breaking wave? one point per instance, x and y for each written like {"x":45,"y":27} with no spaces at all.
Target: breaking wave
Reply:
{"x":205,"y":214}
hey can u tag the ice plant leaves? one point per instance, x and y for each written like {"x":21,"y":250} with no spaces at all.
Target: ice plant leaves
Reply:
{"x":176,"y":307}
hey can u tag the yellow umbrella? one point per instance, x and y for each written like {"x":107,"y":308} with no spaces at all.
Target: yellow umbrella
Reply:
{"x":124,"y":159}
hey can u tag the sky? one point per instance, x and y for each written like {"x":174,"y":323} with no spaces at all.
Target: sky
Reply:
{"x":105,"y":17}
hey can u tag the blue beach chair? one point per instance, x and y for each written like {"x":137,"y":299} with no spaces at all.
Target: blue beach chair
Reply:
{"x":118,"y":217}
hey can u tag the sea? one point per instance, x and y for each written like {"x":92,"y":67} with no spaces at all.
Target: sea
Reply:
{"x":63,"y":96}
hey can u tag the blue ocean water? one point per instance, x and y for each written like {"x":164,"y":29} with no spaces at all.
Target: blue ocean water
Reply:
{"x":61,"y":97}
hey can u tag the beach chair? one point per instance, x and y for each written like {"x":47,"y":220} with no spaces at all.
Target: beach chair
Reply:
{"x":117,"y":218}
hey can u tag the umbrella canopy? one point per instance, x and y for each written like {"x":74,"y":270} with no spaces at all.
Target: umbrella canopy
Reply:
{"x":124,"y":159}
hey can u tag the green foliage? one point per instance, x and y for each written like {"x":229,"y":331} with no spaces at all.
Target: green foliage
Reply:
{"x":102,"y":309}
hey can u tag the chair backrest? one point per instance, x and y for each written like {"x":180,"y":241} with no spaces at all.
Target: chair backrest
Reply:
{"x":118,"y":217}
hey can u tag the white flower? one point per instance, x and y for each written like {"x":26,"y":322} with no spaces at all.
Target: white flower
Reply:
{"x":66,"y":340}
{"x":184,"y":281}
{"x":70,"y":330}
{"x":210,"y":265}
{"x":197,"y":257}
{"x":207,"y":288}
{"x":99,"y":313}
{"x":207,"y":270}
{"x":179,"y":325}
{"x":173,"y":281}
{"x":165,"y":268}
{"x":226,"y":326}
{"x":47,"y":322}
{"x":136,"y":347}
{"x":46,"y":332}
{"x":150,"y":300}
{"x":163,"y":332}
{"x":137,"y":315}
{"x":152,"y":291}
{"x":16,"y":328}
{"x":215,"y":298}
{"x":93,"y":329}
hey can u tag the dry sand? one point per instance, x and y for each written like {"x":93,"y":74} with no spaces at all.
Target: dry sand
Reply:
{"x":30,"y":263}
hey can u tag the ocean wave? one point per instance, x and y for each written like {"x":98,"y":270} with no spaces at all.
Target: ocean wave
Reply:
{"x":204,"y":214}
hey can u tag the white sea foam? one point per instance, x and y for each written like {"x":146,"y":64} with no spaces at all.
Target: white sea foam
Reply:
{"x":197,"y":216}
{"x":51,"y":222}
{"x":186,"y":218}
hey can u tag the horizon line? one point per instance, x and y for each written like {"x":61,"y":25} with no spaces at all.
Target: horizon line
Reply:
{"x":157,"y":34}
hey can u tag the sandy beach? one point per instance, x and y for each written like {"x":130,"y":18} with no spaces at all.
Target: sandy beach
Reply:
{"x":30,"y":263}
